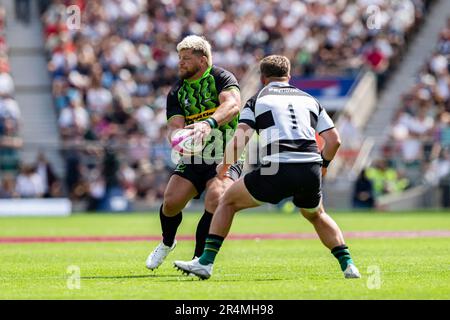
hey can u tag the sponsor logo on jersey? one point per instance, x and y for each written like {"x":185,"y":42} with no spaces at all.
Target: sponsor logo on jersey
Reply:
{"x":200,"y":116}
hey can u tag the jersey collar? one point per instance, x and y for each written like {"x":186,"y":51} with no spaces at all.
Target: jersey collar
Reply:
{"x":278,"y":84}
{"x":202,"y":77}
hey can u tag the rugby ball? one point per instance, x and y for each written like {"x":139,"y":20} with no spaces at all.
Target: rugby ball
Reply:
{"x":184,"y":144}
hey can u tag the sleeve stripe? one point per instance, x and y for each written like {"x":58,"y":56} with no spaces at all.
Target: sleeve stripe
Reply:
{"x":326,"y":130}
{"x":248,"y":122}
{"x":232,"y":87}
{"x":175,"y":115}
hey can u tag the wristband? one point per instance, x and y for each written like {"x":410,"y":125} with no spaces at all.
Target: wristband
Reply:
{"x":325,"y":162}
{"x":212,"y":123}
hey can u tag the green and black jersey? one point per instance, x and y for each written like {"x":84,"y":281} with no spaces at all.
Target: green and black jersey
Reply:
{"x":197,"y":100}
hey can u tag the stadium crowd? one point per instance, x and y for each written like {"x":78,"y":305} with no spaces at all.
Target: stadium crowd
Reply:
{"x":418,"y":150}
{"x":421,"y":128}
{"x":112,"y":73}
{"x":10,"y":116}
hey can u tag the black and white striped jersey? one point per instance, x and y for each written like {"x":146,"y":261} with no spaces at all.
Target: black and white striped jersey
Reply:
{"x":286,"y":119}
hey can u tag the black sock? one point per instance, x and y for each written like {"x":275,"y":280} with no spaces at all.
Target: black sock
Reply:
{"x":169,"y":226}
{"x":202,"y":233}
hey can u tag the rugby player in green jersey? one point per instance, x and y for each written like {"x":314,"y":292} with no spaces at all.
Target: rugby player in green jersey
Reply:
{"x":207,"y":99}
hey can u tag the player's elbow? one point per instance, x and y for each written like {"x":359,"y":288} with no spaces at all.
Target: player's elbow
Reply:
{"x":334,"y":143}
{"x":232,"y":112}
{"x":332,"y":139}
{"x":337,"y":142}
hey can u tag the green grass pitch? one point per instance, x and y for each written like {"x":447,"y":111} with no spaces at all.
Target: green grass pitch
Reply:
{"x":415,"y":268}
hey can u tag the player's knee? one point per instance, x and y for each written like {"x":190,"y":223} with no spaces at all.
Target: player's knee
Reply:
{"x":311,"y":214}
{"x":172,"y":205}
{"x":228,"y":203}
{"x":212,"y":198}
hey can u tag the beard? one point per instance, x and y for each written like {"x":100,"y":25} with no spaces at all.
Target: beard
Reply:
{"x":186,"y":74}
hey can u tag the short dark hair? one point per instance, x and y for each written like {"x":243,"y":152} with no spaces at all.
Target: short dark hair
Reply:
{"x":275,"y":66}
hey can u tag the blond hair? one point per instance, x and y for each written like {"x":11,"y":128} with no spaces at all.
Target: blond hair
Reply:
{"x":275,"y":66}
{"x":198,"y":45}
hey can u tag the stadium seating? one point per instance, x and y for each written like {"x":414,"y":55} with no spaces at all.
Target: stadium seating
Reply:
{"x":10,"y":117}
{"x":421,"y":127}
{"x":418,"y":151}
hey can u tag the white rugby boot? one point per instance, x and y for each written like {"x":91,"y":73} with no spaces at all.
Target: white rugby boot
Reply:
{"x":351,"y":272}
{"x":158,"y":255}
{"x":190,"y":273}
{"x":194,"y":267}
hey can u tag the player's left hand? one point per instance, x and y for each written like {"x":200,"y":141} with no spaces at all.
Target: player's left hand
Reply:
{"x":201,"y":130}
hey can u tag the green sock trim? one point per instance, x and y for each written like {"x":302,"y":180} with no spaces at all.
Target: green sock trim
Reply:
{"x":212,"y":247}
{"x":344,"y":258}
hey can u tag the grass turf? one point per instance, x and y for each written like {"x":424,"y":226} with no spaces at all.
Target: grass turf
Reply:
{"x":264,"y":269}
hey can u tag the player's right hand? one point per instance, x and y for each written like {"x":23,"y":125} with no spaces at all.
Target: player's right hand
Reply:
{"x":201,"y":130}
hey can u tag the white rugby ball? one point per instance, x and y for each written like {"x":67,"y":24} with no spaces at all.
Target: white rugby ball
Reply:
{"x":183,"y":143}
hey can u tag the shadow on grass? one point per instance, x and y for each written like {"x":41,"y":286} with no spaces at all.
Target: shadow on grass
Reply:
{"x":150,"y":276}
{"x":185,"y":278}
{"x":170,"y":278}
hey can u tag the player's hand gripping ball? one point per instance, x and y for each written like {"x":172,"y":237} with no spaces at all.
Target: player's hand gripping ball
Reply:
{"x":184,"y":143}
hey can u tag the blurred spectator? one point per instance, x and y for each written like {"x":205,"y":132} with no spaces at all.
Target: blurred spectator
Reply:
{"x":99,"y":99}
{"x":363,"y":192}
{"x":8,"y":187}
{"x":386,"y":179}
{"x":47,"y":175}
{"x":29,"y":184}
{"x":6,"y":82}
{"x":9,"y":109}
{"x":74,"y":120}
{"x":127,"y":176}
{"x":438,"y":174}
{"x":442,"y":130}
{"x":351,"y":139}
{"x":443,"y":169}
{"x":96,"y":192}
{"x":378,"y":61}
{"x":138,"y":147}
{"x":445,"y":189}
{"x":145,"y":181}
{"x":161,"y":151}
{"x":110,"y":169}
{"x":73,"y":172}
{"x":9,"y":145}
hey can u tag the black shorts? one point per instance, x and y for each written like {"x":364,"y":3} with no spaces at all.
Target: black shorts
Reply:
{"x":300,"y":180}
{"x":200,"y":174}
